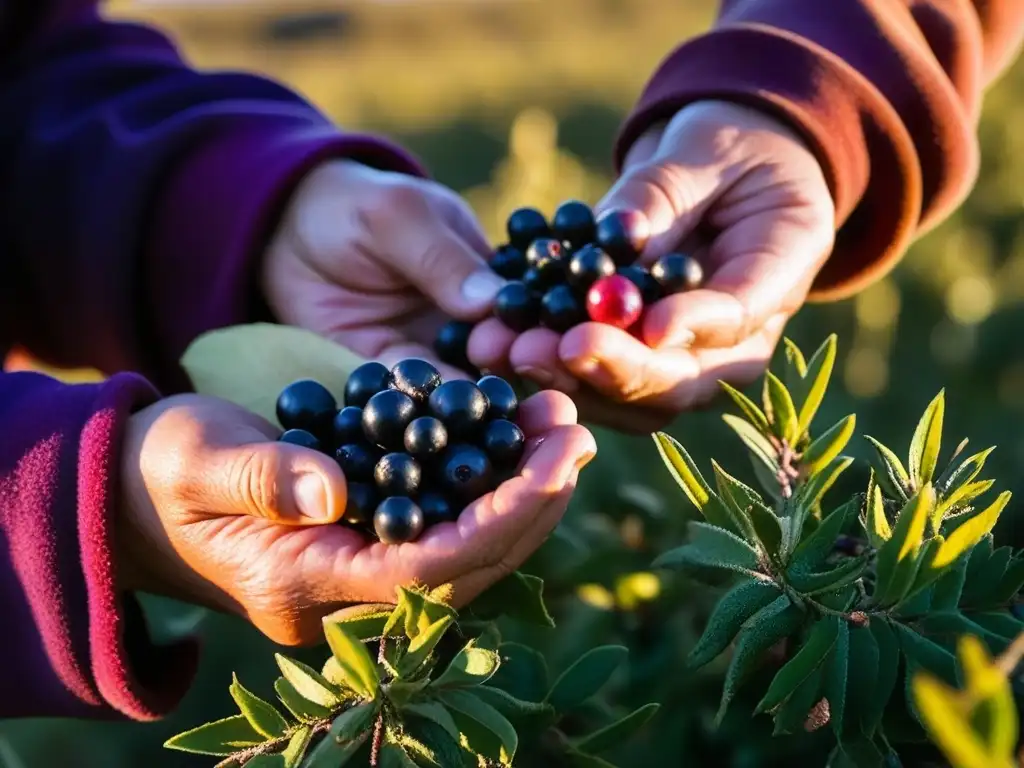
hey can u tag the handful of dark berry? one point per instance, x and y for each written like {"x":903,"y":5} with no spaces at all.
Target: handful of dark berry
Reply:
{"x":415,"y":450}
{"x":574,"y":269}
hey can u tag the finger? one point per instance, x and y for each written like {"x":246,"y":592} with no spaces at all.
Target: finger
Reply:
{"x":630,"y":418}
{"x":490,"y":344}
{"x":278,"y":482}
{"x":460,"y":217}
{"x":542,"y":412}
{"x":433,"y":257}
{"x":534,"y":356}
{"x":762,"y":266}
{"x":643,"y":149}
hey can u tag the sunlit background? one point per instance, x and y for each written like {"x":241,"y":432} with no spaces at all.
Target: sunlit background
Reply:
{"x":516,"y":102}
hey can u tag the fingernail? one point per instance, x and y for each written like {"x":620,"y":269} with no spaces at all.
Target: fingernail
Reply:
{"x":481,"y":287}
{"x":536,"y":375}
{"x":310,"y":494}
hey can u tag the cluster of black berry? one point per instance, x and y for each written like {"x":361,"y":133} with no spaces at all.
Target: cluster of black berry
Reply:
{"x":415,"y":450}
{"x":573,"y":269}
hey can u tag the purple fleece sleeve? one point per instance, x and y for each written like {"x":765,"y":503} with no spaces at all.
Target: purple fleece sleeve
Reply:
{"x":136,"y":193}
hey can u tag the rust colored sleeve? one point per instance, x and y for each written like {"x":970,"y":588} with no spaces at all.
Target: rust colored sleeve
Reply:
{"x":886,"y":92}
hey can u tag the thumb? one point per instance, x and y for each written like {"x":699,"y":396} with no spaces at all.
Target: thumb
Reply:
{"x":279,"y":482}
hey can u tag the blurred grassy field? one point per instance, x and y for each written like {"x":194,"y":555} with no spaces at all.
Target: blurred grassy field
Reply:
{"x":517,"y":101}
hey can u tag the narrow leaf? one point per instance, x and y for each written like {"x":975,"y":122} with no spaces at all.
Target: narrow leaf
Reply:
{"x":394,"y":756}
{"x":810,"y":655}
{"x":889,"y":471}
{"x":861,"y":688}
{"x":836,"y":674}
{"x":815,"y":549}
{"x":260,"y":714}
{"x":949,"y":587}
{"x":922,"y":653}
{"x":758,"y":522}
{"x":958,"y":475}
{"x":586,"y":677}
{"x":816,"y":487}
{"x":964,"y":495}
{"x":946,"y":720}
{"x":780,"y":409}
{"x":970,"y":533}
{"x":794,"y":358}
{"x":420,"y":649}
{"x":516,"y":710}
{"x":298,"y":705}
{"x":831,"y":580}
{"x":420,"y":611}
{"x":307,"y":682}
{"x":898,"y":556}
{"x":297,"y":746}
{"x":761,"y":449}
{"x":435,"y":712}
{"x":471,"y":666}
{"x":219,"y":738}
{"x":767,"y":627}
{"x":1010,"y":583}
{"x":365,"y":621}
{"x":728,"y":616}
{"x":618,"y":732}
{"x":348,"y":733}
{"x":683,"y":469}
{"x":267,"y":761}
{"x":523,"y":672}
{"x":519,"y":597}
{"x":754,"y":416}
{"x":927,"y":440}
{"x":825,"y":448}
{"x":792,"y":715}
{"x":819,"y":371}
{"x":877,"y":522}
{"x":471,"y":706}
{"x":711,"y":547}
{"x":359,"y":669}
{"x":886,"y":674}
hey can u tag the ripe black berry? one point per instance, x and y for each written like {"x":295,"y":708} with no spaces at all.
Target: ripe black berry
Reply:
{"x":561,"y":309}
{"x":509,"y":262}
{"x":623,"y":235}
{"x":517,"y":307}
{"x":573,"y":223}
{"x":677,"y":272}
{"x":357,"y":461}
{"x":386,"y":416}
{"x":425,"y":437}
{"x":348,"y":425}
{"x":451,"y":343}
{"x":536,"y":282}
{"x":650,"y":289}
{"x":397,"y":474}
{"x":307,"y":405}
{"x":588,"y":265}
{"x":300,"y":437}
{"x":502,"y":398}
{"x":462,"y":406}
{"x":416,"y":378}
{"x":466,"y":473}
{"x":362,"y":501}
{"x":398,"y":519}
{"x":436,"y":508}
{"x":526,"y":225}
{"x":365,"y":382}
{"x":504,"y":442}
{"x":544,"y":252}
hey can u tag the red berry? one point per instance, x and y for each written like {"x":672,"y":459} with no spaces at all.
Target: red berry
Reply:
{"x":614,"y":300}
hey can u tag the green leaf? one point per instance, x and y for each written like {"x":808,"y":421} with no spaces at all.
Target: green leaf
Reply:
{"x":999,"y":623}
{"x":963,"y":496}
{"x":260,"y":714}
{"x":711,"y":547}
{"x":824,"y":449}
{"x":348,"y":733}
{"x":393,"y":756}
{"x":471,"y":666}
{"x":815,"y":549}
{"x":780,"y":409}
{"x":683,"y":469}
{"x":420,"y":649}
{"x":435,"y":712}
{"x":897,"y":559}
{"x":964,"y":473}
{"x":618,"y":732}
{"x":307,"y":682}
{"x":889,"y":471}
{"x":297,"y":746}
{"x":516,"y":710}
{"x":885,"y":676}
{"x":767,"y":627}
{"x":754,"y":416}
{"x":219,"y":738}
{"x":809,"y":657}
{"x":365,"y":621}
{"x":861,"y":688}
{"x":819,"y":371}
{"x":949,"y":586}
{"x":835,"y":674}
{"x":576,"y":759}
{"x":518,"y":596}
{"x":267,"y":761}
{"x":847,"y":572}
{"x":760,"y":447}
{"x":420,"y":611}
{"x":817,"y":486}
{"x":357,"y":667}
{"x":447,"y":749}
{"x":588,"y":675}
{"x":876,"y":522}
{"x":298,"y":705}
{"x":926,"y":443}
{"x":728,"y":616}
{"x":794,"y":369}
{"x":947,"y":722}
{"x":970,"y":533}
{"x":473,"y":707}
{"x":523,"y":672}
{"x":1010,"y":583}
{"x":758,"y":522}
{"x":947,"y":626}
{"x":792,"y":715}
{"x":922,"y":653}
